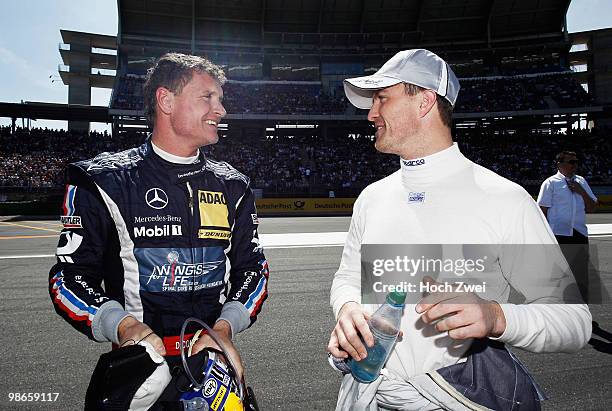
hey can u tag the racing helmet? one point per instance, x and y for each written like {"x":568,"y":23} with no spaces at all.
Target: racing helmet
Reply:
{"x":135,"y":377}
{"x":208,"y":379}
{"x":218,"y":388}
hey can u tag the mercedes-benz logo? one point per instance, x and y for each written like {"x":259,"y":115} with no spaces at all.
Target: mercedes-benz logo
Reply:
{"x":156,"y":198}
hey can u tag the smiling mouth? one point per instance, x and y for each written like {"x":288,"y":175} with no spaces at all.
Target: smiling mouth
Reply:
{"x":211,"y":122}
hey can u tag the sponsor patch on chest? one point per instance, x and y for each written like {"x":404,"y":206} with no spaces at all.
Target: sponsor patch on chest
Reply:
{"x":416,"y":197}
{"x":214,"y":214}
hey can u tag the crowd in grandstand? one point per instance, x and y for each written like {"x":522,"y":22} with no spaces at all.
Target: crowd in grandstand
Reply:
{"x":38,"y":157}
{"x":477,"y":95}
{"x":521,"y":93}
{"x":309,"y":165}
{"x":279,"y":98}
{"x":528,"y":158}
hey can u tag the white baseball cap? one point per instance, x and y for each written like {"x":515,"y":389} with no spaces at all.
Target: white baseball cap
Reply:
{"x":416,"y":66}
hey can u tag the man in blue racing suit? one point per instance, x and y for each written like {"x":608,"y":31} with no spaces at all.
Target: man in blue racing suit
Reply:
{"x":170,"y":233}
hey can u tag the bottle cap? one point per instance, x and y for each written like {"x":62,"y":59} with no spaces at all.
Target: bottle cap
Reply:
{"x":396,"y":298}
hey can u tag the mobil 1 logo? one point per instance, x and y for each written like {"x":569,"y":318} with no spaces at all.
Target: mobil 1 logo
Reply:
{"x":166,"y":230}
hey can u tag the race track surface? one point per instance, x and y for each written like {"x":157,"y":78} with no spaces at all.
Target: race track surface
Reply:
{"x":284,"y":351}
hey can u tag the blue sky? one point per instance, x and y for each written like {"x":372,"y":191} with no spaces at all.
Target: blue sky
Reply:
{"x":30,"y":34}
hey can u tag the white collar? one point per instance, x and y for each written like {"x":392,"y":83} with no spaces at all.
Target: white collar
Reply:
{"x":173,"y":158}
{"x":434,"y":167}
{"x":561,"y":176}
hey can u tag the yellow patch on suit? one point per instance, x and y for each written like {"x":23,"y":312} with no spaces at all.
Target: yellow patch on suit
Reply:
{"x":213,"y":215}
{"x":219,"y":398}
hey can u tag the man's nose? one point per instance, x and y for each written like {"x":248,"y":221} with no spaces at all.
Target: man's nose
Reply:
{"x":220,"y":110}
{"x":373,"y":113}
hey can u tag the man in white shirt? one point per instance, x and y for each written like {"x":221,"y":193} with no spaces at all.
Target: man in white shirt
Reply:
{"x":565,"y":198}
{"x":440,"y":197}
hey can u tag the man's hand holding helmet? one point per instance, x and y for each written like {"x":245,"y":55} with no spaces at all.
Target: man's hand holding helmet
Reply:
{"x":224,"y":332}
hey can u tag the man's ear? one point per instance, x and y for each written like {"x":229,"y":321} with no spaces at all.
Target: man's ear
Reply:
{"x":428,"y":100}
{"x":165,"y":100}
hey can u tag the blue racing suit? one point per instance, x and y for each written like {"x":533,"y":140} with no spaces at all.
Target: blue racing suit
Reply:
{"x":168,"y":241}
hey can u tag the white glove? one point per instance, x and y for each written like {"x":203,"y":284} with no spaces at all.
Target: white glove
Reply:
{"x":154,"y":386}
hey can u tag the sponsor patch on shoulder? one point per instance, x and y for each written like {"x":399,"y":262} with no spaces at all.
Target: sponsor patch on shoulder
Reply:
{"x":416,"y":197}
{"x":255,"y":218}
{"x":71,"y":221}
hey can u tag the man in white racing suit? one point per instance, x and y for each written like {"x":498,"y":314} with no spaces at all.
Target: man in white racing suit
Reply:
{"x":440,"y":197}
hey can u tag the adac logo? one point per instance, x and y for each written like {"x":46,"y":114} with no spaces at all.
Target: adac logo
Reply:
{"x":156,"y":198}
{"x":214,"y":215}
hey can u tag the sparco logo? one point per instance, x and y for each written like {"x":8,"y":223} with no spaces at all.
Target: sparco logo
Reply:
{"x":156,"y":198}
{"x":157,"y":231}
{"x":411,"y":163}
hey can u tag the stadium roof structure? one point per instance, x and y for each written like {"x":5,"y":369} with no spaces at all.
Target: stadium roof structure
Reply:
{"x":335,"y":24}
{"x":89,"y":60}
{"x":53,"y":111}
{"x":82,"y":52}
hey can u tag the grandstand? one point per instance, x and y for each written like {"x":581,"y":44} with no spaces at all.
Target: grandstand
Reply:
{"x":286,"y":60}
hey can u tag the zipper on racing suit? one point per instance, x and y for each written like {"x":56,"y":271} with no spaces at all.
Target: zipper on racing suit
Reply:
{"x":190,"y":225}
{"x":191,"y":218}
{"x":190,"y":199}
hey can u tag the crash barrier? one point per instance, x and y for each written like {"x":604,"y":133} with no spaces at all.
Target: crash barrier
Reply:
{"x":304,"y":206}
{"x":344,"y":206}
{"x":50,"y":206}
{"x":604,"y":204}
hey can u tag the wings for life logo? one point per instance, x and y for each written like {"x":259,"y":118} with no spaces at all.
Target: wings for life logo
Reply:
{"x":180,"y":269}
{"x":156,"y":198}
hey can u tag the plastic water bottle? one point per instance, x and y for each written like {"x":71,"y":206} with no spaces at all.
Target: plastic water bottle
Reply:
{"x":385,"y":326}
